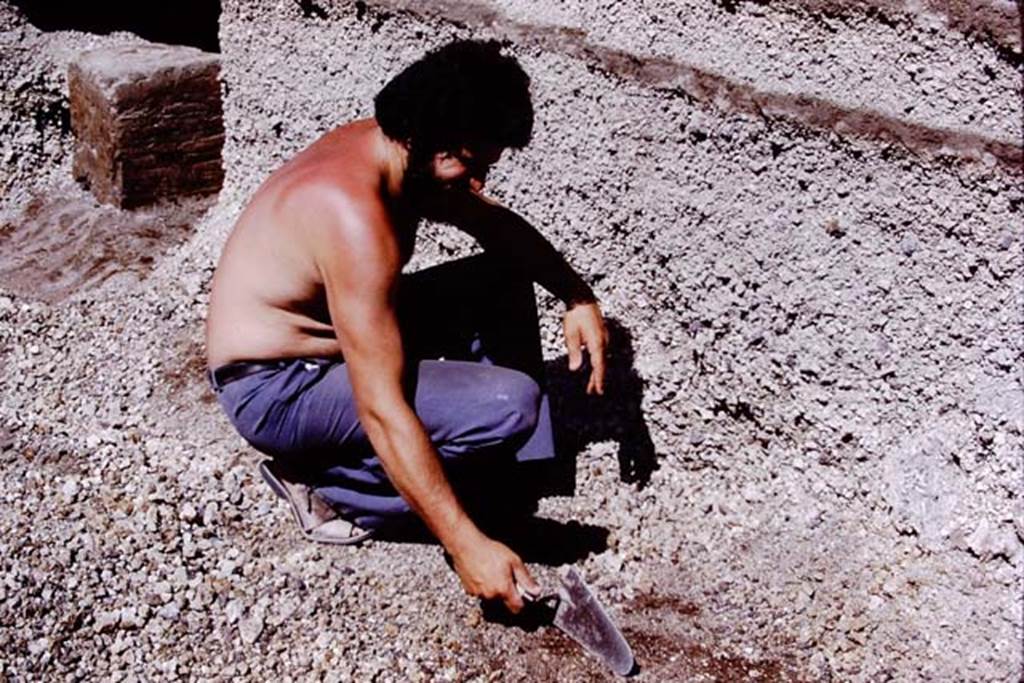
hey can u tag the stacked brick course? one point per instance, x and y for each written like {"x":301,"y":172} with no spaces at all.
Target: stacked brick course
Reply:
{"x":148,"y":123}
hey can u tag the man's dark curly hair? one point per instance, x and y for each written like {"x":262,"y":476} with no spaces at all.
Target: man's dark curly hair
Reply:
{"x":464,"y":93}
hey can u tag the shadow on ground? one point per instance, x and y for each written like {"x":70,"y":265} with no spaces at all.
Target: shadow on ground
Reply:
{"x":537,"y":540}
{"x":617,"y":416}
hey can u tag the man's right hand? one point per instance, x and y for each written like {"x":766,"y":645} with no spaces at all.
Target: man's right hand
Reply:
{"x":585,"y":328}
{"x":491,"y":570}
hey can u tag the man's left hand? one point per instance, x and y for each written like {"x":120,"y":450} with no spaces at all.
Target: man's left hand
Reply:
{"x":584,"y":328}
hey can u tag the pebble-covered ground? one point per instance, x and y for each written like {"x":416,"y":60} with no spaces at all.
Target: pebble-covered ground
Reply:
{"x":807,"y":468}
{"x":138,"y":541}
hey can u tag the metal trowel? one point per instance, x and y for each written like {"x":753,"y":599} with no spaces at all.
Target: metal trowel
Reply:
{"x":580,"y":616}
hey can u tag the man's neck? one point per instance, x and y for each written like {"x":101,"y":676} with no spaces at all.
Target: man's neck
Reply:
{"x":393,"y":160}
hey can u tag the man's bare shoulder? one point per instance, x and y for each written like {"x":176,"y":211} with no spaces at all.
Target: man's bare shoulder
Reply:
{"x":333,"y":191}
{"x":347,"y":236}
{"x":335,"y":214}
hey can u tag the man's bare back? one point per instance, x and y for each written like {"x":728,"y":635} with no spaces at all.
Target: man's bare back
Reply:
{"x":268,"y":299}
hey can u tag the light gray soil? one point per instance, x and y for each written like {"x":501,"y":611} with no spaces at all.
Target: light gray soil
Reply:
{"x":810,"y":463}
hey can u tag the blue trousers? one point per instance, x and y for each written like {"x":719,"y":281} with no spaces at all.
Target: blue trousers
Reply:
{"x":474,"y":376}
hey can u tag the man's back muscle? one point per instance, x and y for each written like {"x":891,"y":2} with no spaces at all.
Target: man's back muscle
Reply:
{"x":267,"y":299}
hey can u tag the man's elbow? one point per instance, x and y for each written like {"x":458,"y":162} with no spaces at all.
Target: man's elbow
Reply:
{"x":382,"y":416}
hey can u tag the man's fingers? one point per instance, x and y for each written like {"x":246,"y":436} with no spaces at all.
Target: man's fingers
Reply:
{"x":597,"y":363}
{"x":524,"y":580}
{"x":513,"y":600}
{"x":597,"y":360}
{"x":523,"y":585}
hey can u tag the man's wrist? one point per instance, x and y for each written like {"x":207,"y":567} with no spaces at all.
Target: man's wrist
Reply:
{"x":579,"y":296}
{"x":462,"y":536}
{"x":582,"y":301}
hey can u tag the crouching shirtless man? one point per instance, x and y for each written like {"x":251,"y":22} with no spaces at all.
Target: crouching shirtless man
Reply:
{"x":376,"y":394}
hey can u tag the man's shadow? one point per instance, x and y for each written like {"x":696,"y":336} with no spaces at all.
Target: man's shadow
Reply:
{"x":580,"y":419}
{"x":509,"y":516}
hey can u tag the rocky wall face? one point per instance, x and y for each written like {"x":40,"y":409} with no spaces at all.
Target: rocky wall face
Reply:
{"x":815,"y":300}
{"x":824,"y":308}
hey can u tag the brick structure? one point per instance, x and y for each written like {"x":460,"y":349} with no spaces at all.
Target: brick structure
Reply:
{"x":148,"y":123}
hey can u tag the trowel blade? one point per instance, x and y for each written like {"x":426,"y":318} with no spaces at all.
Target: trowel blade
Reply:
{"x":582,"y":618}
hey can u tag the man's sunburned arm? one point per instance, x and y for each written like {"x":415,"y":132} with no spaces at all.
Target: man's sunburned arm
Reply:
{"x":503,"y":231}
{"x":360,"y":269}
{"x":360,"y":275}
{"x":506,"y":233}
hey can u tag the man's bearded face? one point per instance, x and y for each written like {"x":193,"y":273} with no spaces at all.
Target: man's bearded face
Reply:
{"x":436,"y":174}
